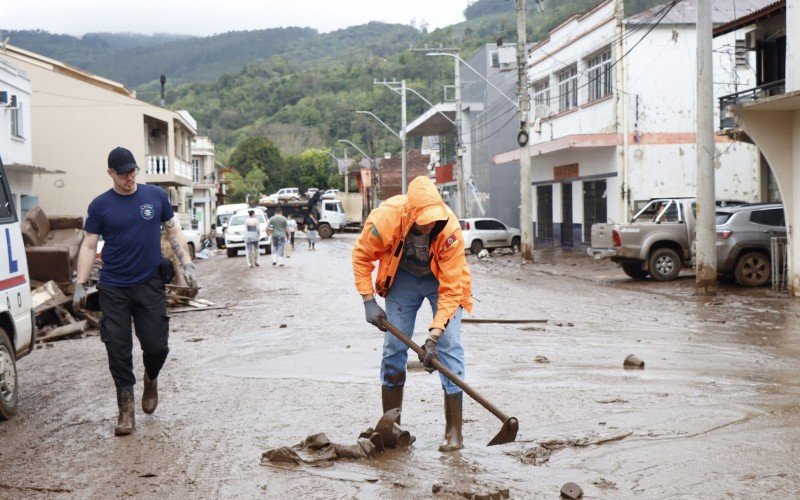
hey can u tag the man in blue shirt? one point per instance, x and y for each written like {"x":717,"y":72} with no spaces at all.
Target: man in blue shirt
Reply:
{"x":129,"y":217}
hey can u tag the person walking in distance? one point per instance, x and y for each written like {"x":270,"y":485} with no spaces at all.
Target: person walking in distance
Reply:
{"x":417,"y":240}
{"x":311,"y":231}
{"x":129,"y":217}
{"x":291,"y":229}
{"x":277,"y":228}
{"x":251,"y":236}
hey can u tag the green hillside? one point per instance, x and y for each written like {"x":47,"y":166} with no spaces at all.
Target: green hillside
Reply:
{"x":294,"y":85}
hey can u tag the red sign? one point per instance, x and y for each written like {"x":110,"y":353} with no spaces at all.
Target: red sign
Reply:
{"x":444,"y":173}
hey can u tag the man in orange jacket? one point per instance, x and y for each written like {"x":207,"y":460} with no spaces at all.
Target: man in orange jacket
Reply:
{"x":417,"y":240}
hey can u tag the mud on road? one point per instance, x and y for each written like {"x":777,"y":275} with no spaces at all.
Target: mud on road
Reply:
{"x":714,"y":413}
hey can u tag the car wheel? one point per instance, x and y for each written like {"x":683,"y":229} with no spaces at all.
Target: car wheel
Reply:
{"x":753,"y":269}
{"x":191,"y":250}
{"x":515,"y":244}
{"x":325,"y":231}
{"x":476,"y":247}
{"x":665,"y":265}
{"x":634,"y":270}
{"x":233,"y":252}
{"x":8,"y":378}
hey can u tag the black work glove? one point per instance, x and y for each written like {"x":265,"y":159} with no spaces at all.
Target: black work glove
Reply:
{"x":429,"y":354}
{"x":79,"y":297}
{"x":189,"y":275}
{"x":375,"y":314}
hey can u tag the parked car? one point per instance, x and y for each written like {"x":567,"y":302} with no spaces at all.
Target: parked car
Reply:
{"x":288,"y":194}
{"x":192,"y":241}
{"x":330,"y":194}
{"x":657,"y":242}
{"x":234,"y":236}
{"x":744,"y":235}
{"x":310,"y":192}
{"x":488,"y":233}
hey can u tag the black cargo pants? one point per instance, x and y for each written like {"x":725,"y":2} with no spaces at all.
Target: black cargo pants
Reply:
{"x":146,"y":303}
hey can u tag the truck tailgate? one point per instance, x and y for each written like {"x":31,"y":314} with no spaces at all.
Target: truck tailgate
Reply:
{"x":601,"y":235}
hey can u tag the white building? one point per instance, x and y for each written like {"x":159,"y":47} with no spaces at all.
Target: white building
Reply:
{"x":613,"y":111}
{"x":15,"y":136}
{"x":767,"y":111}
{"x":76,"y":118}
{"x":204,"y":183}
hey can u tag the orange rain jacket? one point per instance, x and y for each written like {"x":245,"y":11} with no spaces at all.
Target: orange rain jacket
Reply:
{"x":382,"y":239}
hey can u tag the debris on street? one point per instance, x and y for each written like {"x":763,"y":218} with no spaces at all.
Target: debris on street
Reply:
{"x":471,"y":490}
{"x":318,"y":449}
{"x":540,"y":453}
{"x":571,"y":490}
{"x":633,"y":362}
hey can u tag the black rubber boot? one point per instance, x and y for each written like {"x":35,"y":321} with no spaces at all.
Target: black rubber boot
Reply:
{"x":392,"y":397}
{"x":150,"y":395}
{"x":453,"y":415}
{"x":127,"y":414}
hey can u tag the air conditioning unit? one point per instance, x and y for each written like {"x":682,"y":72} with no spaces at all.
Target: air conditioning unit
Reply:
{"x":495,"y":59}
{"x":507,"y":57}
{"x":751,"y":39}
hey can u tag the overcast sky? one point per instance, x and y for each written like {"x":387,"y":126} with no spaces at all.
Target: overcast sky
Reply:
{"x":206,"y":17}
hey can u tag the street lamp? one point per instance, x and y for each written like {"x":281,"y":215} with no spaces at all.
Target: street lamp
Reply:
{"x":401,"y":136}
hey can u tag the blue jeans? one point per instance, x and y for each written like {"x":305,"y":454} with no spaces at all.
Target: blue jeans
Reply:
{"x":278,"y":244}
{"x":402,"y":303}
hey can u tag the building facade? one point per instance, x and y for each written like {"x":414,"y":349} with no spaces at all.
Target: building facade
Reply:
{"x":613,"y":121}
{"x":77,"y":118}
{"x":204,"y":183}
{"x":16,"y":142}
{"x":767,"y":113}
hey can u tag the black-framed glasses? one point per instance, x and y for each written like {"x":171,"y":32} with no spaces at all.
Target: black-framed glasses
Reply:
{"x":133,"y":172}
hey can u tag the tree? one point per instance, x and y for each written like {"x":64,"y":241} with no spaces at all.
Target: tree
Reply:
{"x":256,"y":152}
{"x":248,"y":187}
{"x":316,"y":167}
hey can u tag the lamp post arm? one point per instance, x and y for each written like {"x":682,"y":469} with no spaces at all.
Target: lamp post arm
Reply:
{"x":381,"y":122}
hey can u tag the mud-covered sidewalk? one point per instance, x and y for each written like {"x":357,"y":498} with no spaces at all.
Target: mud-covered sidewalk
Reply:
{"x":714,"y":413}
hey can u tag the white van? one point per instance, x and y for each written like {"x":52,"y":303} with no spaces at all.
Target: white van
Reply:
{"x":234,"y":235}
{"x":16,"y":312}
{"x":223,"y":213}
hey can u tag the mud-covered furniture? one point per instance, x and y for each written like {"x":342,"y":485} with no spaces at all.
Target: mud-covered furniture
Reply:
{"x":51,"y":245}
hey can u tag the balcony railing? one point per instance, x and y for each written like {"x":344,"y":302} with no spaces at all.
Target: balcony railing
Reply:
{"x":157,"y":165}
{"x":161,"y":166}
{"x":727,"y":102}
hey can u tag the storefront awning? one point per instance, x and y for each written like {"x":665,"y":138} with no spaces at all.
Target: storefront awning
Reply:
{"x":561,"y":144}
{"x":433,"y":121}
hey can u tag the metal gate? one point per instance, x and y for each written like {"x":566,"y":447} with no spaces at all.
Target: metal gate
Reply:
{"x":778,"y":256}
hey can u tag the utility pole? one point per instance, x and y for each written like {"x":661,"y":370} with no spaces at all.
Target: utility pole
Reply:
{"x":525,"y":208}
{"x":706,"y":283}
{"x":403,"y":171}
{"x":462,"y":182}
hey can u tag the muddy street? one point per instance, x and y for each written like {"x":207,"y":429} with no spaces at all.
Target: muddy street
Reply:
{"x":714,"y":412}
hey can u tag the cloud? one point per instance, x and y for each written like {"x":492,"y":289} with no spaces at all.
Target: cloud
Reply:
{"x":206,"y":17}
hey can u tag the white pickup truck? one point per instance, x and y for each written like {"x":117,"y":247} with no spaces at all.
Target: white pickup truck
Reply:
{"x":16,"y":311}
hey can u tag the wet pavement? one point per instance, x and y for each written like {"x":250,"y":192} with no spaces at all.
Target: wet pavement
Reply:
{"x":714,"y":413}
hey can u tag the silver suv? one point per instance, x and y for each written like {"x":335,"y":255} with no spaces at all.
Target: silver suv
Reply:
{"x":744,"y":234}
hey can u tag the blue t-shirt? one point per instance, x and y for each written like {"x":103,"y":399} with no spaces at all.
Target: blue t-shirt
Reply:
{"x":131,"y":229}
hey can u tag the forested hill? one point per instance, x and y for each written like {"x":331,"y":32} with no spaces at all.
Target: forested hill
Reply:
{"x":294,"y":85}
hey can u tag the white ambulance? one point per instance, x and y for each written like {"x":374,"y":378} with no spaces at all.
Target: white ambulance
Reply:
{"x":16,"y":313}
